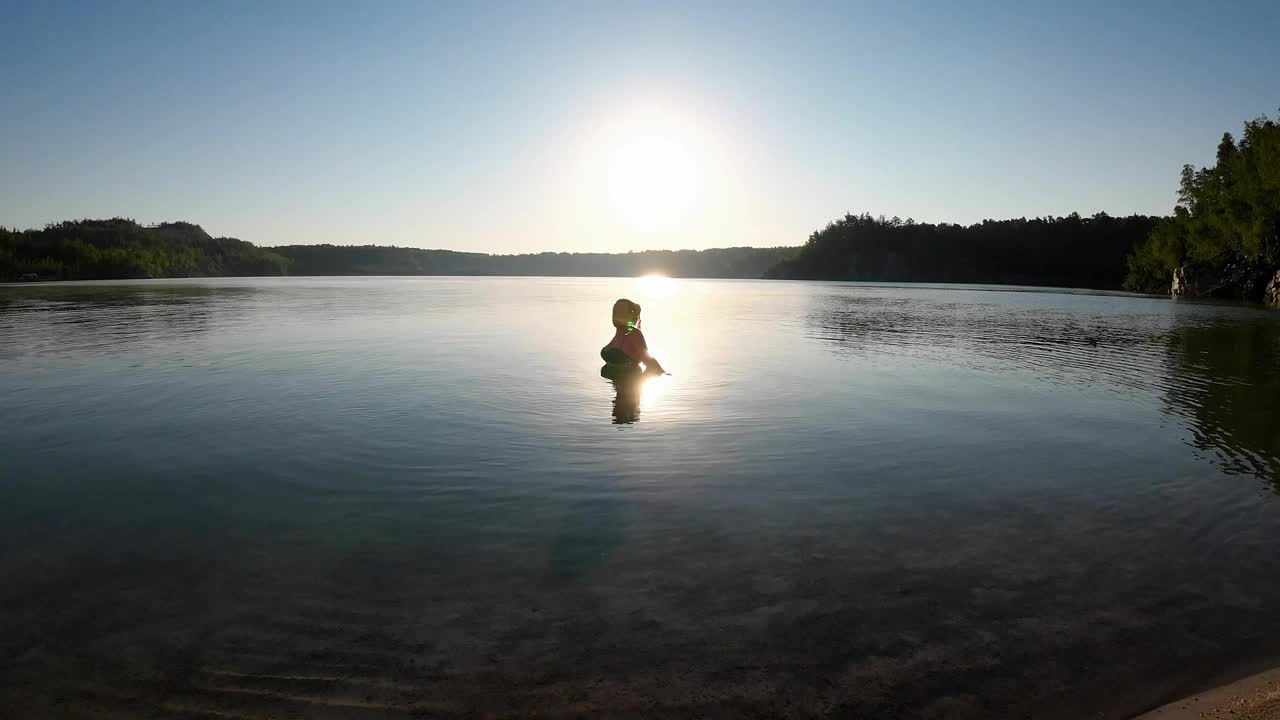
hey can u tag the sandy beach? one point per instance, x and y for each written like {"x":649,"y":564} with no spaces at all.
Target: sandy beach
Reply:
{"x":1256,"y":697}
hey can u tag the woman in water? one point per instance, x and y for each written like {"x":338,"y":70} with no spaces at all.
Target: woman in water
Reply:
{"x":628,"y":349}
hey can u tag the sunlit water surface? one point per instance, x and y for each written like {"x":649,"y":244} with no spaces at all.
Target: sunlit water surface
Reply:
{"x":417,"y":497}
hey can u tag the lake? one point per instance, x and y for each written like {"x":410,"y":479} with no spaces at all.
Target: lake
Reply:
{"x":417,"y":497}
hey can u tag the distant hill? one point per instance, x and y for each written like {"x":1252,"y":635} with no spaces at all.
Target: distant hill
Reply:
{"x":1070,"y":251}
{"x":121,"y":248}
{"x":740,"y":262}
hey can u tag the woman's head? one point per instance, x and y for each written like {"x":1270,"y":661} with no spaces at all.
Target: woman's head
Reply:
{"x":624,"y":312}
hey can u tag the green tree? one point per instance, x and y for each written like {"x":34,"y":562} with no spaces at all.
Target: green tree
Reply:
{"x":1226,"y":220}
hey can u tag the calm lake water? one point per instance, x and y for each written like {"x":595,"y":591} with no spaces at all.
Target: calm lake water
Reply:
{"x":417,"y":497}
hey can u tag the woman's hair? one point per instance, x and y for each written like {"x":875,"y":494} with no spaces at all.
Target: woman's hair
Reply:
{"x":625,"y":311}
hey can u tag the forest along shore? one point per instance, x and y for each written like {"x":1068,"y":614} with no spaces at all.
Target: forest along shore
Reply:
{"x":1051,"y":252}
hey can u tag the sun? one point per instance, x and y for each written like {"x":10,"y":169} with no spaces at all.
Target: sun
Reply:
{"x":645,"y":167}
{"x":651,"y":180}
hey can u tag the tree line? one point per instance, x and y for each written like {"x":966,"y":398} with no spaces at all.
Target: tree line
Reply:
{"x":1071,"y":251}
{"x":1221,"y":239}
{"x":121,"y":248}
{"x":737,"y":262}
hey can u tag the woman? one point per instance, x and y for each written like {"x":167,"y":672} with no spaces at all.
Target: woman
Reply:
{"x":628,"y":348}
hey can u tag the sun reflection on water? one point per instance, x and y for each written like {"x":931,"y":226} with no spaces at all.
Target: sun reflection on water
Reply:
{"x":655,"y":285}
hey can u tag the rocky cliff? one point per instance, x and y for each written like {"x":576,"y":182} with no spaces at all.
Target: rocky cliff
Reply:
{"x":1271,"y":295}
{"x":1232,"y":281}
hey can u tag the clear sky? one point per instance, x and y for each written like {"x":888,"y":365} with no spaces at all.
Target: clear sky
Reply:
{"x":612,"y":126}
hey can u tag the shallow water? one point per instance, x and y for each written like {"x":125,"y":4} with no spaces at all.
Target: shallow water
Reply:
{"x":382,"y":497}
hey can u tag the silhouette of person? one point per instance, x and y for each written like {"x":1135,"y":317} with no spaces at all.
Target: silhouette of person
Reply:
{"x":628,"y":346}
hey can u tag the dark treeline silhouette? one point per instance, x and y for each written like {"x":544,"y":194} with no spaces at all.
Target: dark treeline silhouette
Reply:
{"x":1223,"y":235}
{"x":120,"y":248}
{"x":1069,"y":251}
{"x":741,"y":262}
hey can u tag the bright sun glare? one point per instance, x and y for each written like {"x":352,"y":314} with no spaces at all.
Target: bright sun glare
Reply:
{"x":651,"y":179}
{"x":655,"y":285}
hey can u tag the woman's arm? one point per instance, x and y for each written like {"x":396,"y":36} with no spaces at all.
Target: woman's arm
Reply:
{"x":650,"y":362}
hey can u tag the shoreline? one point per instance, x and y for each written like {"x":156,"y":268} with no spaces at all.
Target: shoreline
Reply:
{"x":1255,"y":697}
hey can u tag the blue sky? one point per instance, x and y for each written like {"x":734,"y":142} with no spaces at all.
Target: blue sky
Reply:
{"x":612,"y":126}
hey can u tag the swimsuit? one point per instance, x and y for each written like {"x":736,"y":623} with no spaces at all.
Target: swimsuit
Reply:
{"x":626,"y":348}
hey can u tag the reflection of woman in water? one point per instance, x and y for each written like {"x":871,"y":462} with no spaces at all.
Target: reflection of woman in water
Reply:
{"x":623,"y":357}
{"x":627,"y":382}
{"x":628,"y":348}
